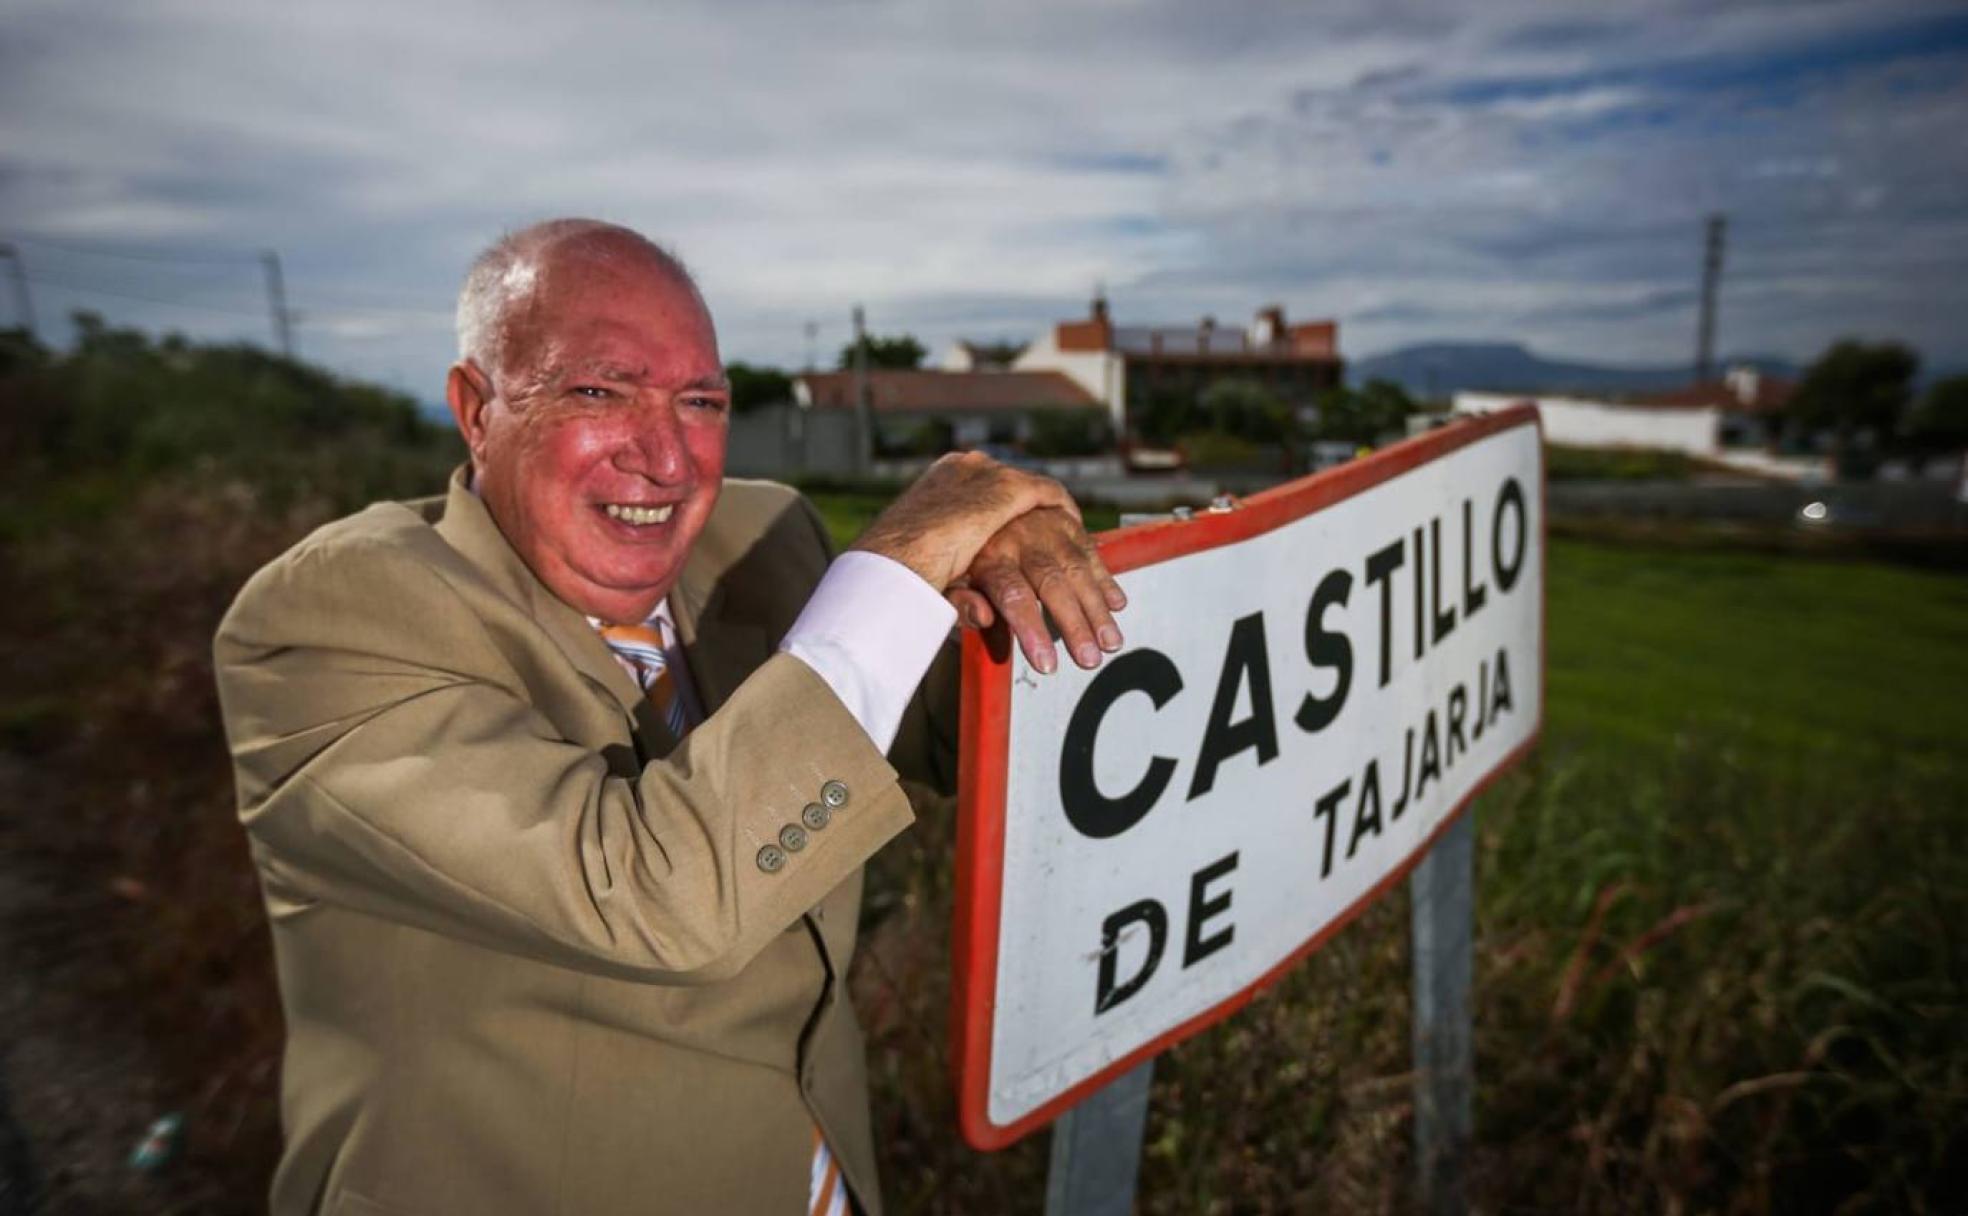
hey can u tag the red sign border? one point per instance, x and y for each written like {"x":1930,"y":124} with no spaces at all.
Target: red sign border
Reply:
{"x":984,"y":735}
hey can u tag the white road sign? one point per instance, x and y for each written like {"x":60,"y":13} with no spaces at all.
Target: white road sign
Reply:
{"x":1315,"y":683}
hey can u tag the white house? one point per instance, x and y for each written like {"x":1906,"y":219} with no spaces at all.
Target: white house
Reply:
{"x":1572,"y":422}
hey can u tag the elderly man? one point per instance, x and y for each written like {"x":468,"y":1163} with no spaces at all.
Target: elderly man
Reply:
{"x":560,"y":785}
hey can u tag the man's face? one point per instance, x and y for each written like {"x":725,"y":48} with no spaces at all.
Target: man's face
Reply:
{"x":601,"y":448}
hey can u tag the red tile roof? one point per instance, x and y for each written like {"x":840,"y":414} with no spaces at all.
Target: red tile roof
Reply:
{"x":893,"y":391}
{"x":1308,"y":341}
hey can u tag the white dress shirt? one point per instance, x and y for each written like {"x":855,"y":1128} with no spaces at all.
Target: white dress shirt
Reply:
{"x":870,"y":631}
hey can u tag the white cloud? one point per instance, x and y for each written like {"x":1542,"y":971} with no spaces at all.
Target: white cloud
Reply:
{"x":1424,"y":172}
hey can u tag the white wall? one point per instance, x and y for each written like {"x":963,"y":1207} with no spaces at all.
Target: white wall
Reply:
{"x":1097,"y":371}
{"x":1695,"y":430}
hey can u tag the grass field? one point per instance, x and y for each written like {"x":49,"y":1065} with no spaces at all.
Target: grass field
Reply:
{"x":1720,"y":964}
{"x":1720,"y":946}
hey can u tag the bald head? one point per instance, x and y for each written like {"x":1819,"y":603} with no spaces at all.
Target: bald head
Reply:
{"x":502,"y":280}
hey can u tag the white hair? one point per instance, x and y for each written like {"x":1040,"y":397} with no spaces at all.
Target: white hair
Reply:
{"x":509,"y":269}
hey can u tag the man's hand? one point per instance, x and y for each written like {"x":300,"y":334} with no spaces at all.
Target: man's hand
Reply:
{"x":939,"y":524}
{"x":1043,"y":558}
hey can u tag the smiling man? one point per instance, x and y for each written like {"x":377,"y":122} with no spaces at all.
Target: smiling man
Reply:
{"x":560,"y":785}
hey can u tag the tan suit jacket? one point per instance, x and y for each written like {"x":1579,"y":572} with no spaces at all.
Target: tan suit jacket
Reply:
{"x":528,"y":956}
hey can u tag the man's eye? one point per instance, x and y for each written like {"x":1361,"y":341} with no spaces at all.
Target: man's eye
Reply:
{"x":593,"y":392}
{"x":705,"y":403}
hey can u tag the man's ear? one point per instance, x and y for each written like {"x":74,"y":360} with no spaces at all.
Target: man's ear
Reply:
{"x":469,"y":394}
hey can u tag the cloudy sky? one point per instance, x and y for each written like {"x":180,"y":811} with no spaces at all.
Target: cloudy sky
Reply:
{"x":1431,"y":170}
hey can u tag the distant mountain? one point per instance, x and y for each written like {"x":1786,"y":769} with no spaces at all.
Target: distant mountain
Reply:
{"x":1439,"y":369}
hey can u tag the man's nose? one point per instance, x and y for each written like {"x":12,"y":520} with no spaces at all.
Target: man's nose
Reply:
{"x":654,"y":446}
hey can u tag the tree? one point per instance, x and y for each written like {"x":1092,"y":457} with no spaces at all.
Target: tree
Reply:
{"x":1387,"y":406}
{"x":1248,"y":410}
{"x":752,"y":387}
{"x":900,"y":351}
{"x":1940,"y":422}
{"x":1067,"y":433}
{"x":996,"y":354}
{"x":1364,"y":416}
{"x":1162,"y":415}
{"x":1856,"y":389}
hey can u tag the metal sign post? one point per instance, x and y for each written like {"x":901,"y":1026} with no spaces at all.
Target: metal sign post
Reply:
{"x":1096,"y":1149}
{"x":1442,"y":890}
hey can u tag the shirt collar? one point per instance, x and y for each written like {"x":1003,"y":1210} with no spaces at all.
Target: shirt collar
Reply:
{"x":661,"y":615}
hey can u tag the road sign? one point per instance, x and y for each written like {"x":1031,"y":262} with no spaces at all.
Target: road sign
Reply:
{"x":1316,"y":682}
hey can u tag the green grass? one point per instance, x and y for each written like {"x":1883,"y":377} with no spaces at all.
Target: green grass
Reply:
{"x":1616,"y":464}
{"x":848,"y":513}
{"x":1721,"y":957}
{"x":1805,"y":662}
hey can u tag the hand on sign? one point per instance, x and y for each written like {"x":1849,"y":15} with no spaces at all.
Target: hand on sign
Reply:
{"x":1043,"y":559}
{"x":939,"y":524}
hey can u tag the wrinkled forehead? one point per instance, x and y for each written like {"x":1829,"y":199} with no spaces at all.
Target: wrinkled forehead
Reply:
{"x":595,"y":303}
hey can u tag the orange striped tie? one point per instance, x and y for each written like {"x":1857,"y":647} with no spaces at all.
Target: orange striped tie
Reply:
{"x":645,"y":648}
{"x":827,"y":1190}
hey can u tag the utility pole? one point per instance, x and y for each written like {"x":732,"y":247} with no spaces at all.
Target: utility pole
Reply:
{"x":23,"y":306}
{"x":812,"y":333}
{"x":1711,"y":283}
{"x":283,"y":330}
{"x":864,"y":427}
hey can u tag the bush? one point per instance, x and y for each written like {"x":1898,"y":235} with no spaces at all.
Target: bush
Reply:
{"x":1248,"y":410}
{"x":1216,"y":450}
{"x":123,"y":411}
{"x":1068,"y":433}
{"x":1562,"y":463}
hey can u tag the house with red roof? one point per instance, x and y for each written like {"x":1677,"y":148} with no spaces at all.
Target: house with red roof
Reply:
{"x":1127,"y":366}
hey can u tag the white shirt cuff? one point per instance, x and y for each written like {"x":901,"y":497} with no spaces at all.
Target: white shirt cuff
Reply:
{"x":870,"y":631}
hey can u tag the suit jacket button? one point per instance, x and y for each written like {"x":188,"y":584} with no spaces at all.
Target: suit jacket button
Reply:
{"x":792,"y":838}
{"x":834,"y":794}
{"x":816,"y":816}
{"x":771,"y":859}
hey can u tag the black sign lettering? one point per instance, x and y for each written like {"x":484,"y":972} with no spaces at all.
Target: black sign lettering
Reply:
{"x":1381,"y":565}
{"x":1091,"y":812}
{"x":1328,"y":649}
{"x":1500,"y":688}
{"x":1445,"y":621}
{"x":1245,"y":659}
{"x":1369,"y":795}
{"x":1407,"y":776}
{"x":1147,"y":913}
{"x":1458,"y":710}
{"x":1328,"y":809}
{"x":1512,"y":496}
{"x":1431,"y":756}
{"x":1421,"y":624}
{"x":1473,"y":594}
{"x":1203,"y":907}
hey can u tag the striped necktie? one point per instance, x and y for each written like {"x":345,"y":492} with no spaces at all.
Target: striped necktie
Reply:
{"x":645,"y":651}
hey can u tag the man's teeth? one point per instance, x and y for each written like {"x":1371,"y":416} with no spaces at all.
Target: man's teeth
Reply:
{"x":640,"y":515}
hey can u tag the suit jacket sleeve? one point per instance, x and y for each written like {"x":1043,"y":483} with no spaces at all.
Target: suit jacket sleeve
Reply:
{"x":389,"y":761}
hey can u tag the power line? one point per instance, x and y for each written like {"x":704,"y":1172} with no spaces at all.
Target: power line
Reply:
{"x":91,"y":289}
{"x":125,"y":253}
